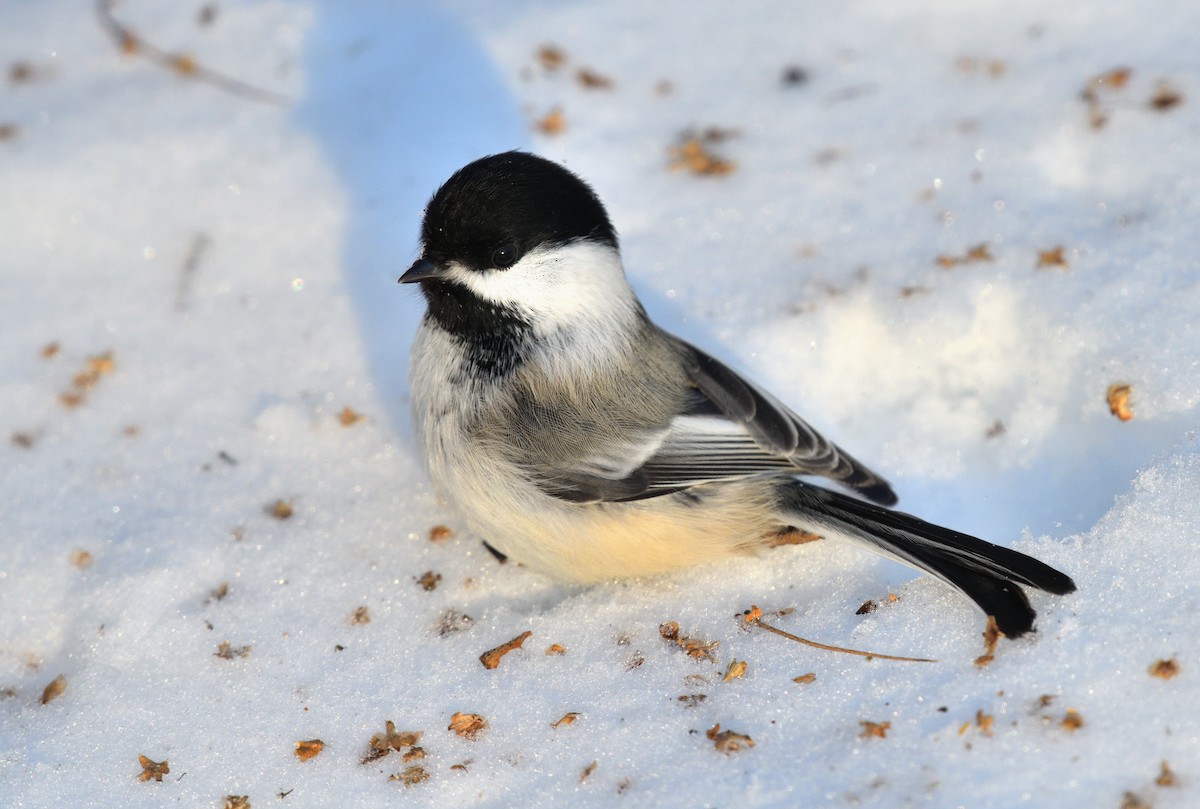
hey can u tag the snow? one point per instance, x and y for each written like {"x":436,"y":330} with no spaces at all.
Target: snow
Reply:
{"x":922,"y":130}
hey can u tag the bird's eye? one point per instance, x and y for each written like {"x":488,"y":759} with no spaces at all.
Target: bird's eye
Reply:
{"x":504,"y":256}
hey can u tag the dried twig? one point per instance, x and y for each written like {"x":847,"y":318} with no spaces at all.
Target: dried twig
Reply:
{"x":491,"y":658}
{"x":752,"y":616}
{"x":200,"y":243}
{"x":181,"y":64}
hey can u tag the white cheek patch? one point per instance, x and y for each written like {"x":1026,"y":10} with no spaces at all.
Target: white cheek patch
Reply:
{"x":560,"y":286}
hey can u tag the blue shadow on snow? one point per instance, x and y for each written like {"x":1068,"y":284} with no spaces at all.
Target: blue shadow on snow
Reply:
{"x":399,"y":96}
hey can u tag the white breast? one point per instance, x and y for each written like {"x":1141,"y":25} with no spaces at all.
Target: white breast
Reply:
{"x":566,"y":540}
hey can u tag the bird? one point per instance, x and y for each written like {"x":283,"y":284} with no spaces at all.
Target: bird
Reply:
{"x":580,"y":439}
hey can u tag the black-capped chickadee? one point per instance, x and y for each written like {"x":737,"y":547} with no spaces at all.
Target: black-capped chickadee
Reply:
{"x":577,"y":437}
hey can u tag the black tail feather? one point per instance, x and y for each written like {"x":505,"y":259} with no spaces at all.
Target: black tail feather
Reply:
{"x":988,"y":574}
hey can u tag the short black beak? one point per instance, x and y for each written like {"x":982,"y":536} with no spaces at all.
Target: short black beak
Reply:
{"x":422,"y":270}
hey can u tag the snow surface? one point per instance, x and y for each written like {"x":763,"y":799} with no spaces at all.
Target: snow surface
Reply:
{"x":922,"y":129}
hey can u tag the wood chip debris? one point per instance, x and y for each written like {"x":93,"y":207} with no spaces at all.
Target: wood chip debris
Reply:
{"x":874,"y":730}
{"x":491,"y":658}
{"x":360,"y":616}
{"x":991,"y":637}
{"x":694,"y":153}
{"x":805,"y":679}
{"x":348,"y":417}
{"x":1131,"y":800}
{"x":694,"y":647}
{"x":568,"y":718}
{"x":54,"y":689}
{"x":82,"y":383}
{"x":591,"y":80}
{"x":410,"y":776}
{"x":227,"y":651}
{"x":381,"y":744}
{"x":588,"y":770}
{"x":1166,"y":778}
{"x":309,"y":748}
{"x":80,"y":558}
{"x":550,"y":57}
{"x":152,"y":769}
{"x":429,"y":580}
{"x":727,"y":741}
{"x":983,"y":721}
{"x":994,"y":68}
{"x":736,"y":669}
{"x":280,"y":510}
{"x":237,"y":802}
{"x":440,"y":533}
{"x":1105,"y":83}
{"x":1164,"y":669}
{"x":467,"y":725}
{"x":217,"y":593}
{"x":1118,"y":400}
{"x":1072,"y":720}
{"x":452,"y":621}
{"x":1114,"y":79}
{"x":1165,"y":97}
{"x":1052,"y":258}
{"x":93,"y":368}
{"x":974,"y":255}
{"x":552,"y":123}
{"x":413,"y":754}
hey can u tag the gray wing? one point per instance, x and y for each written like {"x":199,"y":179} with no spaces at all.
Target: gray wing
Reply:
{"x":727,"y":428}
{"x":736,"y":426}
